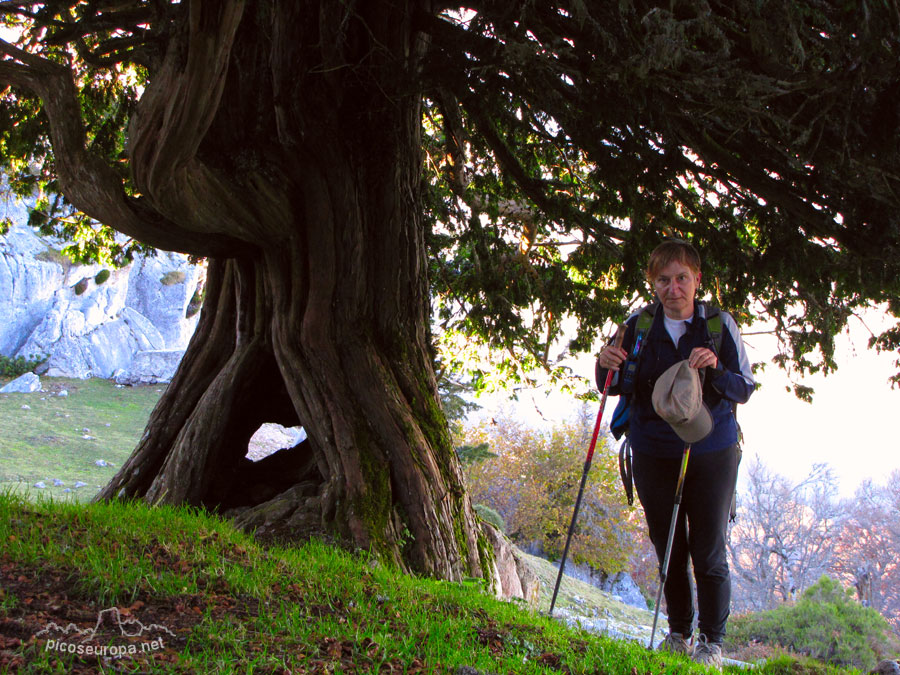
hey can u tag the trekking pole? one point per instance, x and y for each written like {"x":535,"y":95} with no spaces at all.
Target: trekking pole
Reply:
{"x":620,"y":334}
{"x":664,"y":568}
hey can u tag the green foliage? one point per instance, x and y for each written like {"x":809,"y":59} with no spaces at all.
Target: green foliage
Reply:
{"x":173,"y":277}
{"x":560,"y":146}
{"x":825,"y":624}
{"x":472,"y":454}
{"x":81,"y":286}
{"x":101,"y":277}
{"x":533,"y":480}
{"x":196,"y":302}
{"x":14,"y":367}
{"x":489,"y":515}
{"x":55,"y":256}
{"x":794,"y":664}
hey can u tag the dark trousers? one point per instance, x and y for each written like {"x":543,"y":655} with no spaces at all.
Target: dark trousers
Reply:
{"x":701,"y":534}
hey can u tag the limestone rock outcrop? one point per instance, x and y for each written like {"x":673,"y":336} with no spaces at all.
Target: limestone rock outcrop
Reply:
{"x":132,"y":323}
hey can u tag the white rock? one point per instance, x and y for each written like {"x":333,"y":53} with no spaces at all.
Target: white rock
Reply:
{"x":24,"y":384}
{"x":97,"y":332}
{"x":27,"y":283}
{"x":165,"y":303}
{"x":149,"y":367}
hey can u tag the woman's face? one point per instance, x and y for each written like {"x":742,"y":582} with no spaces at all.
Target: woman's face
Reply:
{"x":675,"y":286}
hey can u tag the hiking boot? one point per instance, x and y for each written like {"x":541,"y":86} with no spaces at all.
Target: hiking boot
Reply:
{"x":707,"y":653}
{"x":675,"y":643}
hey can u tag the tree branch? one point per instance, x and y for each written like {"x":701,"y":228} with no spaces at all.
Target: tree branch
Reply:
{"x":87,"y":180}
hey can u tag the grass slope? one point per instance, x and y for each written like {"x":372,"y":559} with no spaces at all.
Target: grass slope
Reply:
{"x":47,"y":437}
{"x":209,"y":598}
{"x":579,"y":599}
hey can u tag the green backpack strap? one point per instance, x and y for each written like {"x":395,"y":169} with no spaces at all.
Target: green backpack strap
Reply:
{"x":645,"y":319}
{"x":714,"y":326}
{"x":641,"y":328}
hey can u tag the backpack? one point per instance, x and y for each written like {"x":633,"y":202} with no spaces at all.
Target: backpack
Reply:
{"x":620,"y":419}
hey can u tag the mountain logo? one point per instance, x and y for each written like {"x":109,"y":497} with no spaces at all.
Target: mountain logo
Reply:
{"x":115,"y":633}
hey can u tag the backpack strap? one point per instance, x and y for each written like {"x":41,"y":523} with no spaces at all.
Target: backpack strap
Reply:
{"x":643,"y":326}
{"x":714,"y":326}
{"x":625,"y":470}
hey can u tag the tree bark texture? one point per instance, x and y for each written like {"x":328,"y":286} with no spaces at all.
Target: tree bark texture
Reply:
{"x":283,"y":140}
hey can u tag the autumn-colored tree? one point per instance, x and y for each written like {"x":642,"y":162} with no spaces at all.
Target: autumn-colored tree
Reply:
{"x":533,"y":480}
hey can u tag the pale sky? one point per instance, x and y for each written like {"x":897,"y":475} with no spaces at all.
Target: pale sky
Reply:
{"x":851,"y":423}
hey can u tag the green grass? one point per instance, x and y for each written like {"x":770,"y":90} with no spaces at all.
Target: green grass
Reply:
{"x":245,"y":608}
{"x":46,"y":440}
{"x":231,"y":605}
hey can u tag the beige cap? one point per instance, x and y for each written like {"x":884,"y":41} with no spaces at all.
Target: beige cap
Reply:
{"x":678,"y":399}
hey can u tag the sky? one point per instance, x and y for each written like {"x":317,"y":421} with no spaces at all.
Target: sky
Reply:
{"x":850,"y":425}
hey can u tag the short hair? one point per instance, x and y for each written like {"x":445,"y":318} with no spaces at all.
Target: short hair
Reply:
{"x":672,"y":250}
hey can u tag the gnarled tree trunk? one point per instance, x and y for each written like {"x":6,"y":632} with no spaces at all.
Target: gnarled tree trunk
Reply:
{"x":291,"y":147}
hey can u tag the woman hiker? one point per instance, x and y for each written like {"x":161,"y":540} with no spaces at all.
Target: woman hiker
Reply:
{"x":681,"y":332}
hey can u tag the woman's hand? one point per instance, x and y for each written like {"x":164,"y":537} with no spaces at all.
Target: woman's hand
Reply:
{"x":701,"y":357}
{"x":611,"y":357}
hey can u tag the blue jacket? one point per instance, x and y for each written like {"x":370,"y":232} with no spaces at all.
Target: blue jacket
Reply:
{"x":730,"y":382}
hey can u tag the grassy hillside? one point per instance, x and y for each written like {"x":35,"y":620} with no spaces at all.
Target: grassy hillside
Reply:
{"x":190,"y":594}
{"x":47,"y":437}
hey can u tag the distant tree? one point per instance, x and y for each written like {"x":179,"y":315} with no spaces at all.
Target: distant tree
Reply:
{"x":343,"y":164}
{"x":869,"y":552}
{"x":533,"y":481}
{"x":785,"y":536}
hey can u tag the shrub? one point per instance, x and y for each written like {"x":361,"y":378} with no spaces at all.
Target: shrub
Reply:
{"x":489,"y":515}
{"x":196,"y":303}
{"x":10,"y":367}
{"x":52,"y":255}
{"x":172,"y":278}
{"x":101,"y":277}
{"x":825,"y":623}
{"x":81,"y":286}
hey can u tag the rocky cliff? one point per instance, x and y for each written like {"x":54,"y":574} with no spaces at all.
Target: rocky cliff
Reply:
{"x":132,"y":324}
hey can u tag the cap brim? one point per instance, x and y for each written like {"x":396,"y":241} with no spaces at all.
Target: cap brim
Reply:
{"x":696,"y":429}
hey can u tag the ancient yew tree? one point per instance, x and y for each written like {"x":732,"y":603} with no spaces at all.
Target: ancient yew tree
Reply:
{"x":358,"y":171}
